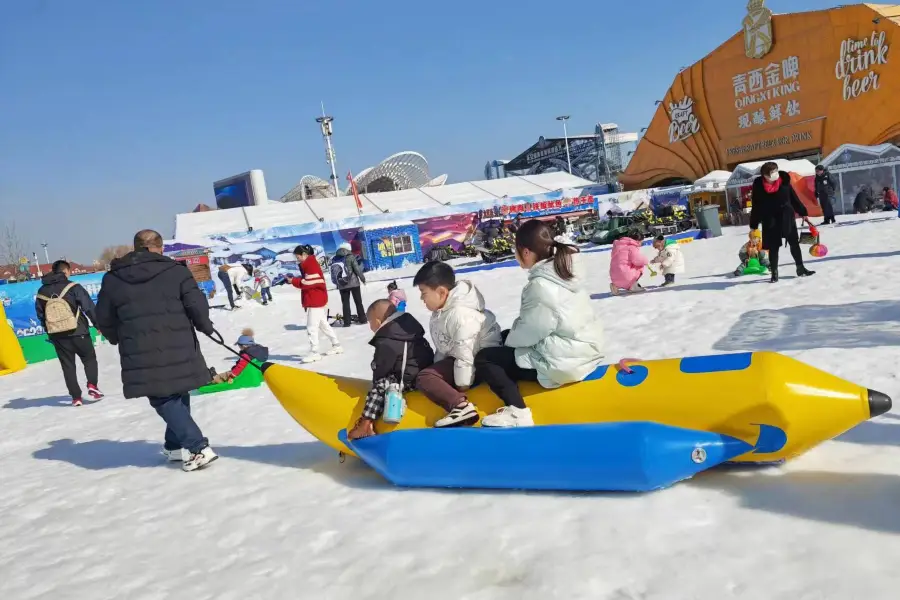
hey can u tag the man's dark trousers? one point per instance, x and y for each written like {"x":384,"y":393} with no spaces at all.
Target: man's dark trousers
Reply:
{"x":226,"y":281}
{"x":181,"y":430}
{"x":67,"y":348}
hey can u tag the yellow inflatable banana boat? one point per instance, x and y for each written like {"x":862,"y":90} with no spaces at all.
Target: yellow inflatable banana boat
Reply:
{"x":11,"y":357}
{"x":731,"y":394}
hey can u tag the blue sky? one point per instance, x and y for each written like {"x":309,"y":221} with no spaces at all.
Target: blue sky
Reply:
{"x":117,"y":115}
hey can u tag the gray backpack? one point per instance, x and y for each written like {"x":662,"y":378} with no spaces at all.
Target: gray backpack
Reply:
{"x":58,"y":315}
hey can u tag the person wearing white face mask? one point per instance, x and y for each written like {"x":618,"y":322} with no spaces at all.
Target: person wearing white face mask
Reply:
{"x":774,"y":203}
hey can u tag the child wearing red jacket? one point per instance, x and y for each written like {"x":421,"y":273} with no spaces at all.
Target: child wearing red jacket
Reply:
{"x":314,"y":297}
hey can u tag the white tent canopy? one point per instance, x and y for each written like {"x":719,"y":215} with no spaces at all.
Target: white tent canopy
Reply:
{"x":850,"y":157}
{"x":432,"y":201}
{"x":745,"y":173}
{"x":714,"y":181}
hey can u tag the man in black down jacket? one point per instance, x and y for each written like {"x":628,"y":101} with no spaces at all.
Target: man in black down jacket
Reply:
{"x":774,"y":203}
{"x":149,"y":306}
{"x":825,"y":193}
{"x":77,"y":342}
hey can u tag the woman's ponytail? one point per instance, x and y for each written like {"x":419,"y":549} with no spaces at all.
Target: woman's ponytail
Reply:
{"x":562,"y":260}
{"x":537,"y":236}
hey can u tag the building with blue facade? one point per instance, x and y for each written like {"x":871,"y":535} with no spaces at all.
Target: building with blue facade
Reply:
{"x":391,"y":245}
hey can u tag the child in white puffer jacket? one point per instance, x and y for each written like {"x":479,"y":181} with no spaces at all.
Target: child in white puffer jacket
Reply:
{"x":556,"y":339}
{"x":670,"y":259}
{"x":460,"y":327}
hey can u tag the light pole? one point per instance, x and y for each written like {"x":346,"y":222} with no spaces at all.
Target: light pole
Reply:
{"x":325,"y":123}
{"x":565,"y":118}
{"x":46,"y":253}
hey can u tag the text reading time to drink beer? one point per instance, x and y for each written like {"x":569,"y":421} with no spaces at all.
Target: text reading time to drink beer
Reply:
{"x":858,"y":56}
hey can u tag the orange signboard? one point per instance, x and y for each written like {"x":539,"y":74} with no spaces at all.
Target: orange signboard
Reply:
{"x":784,"y":140}
{"x":785,"y":85}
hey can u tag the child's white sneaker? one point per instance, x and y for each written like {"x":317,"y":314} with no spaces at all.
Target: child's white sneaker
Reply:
{"x":461,"y":416}
{"x":335,"y":350}
{"x":199,"y":460}
{"x":311,"y":358}
{"x":180,"y":455}
{"x":636,"y":288}
{"x":509,"y":416}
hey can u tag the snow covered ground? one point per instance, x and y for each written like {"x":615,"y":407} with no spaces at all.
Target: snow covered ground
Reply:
{"x":88,"y":510}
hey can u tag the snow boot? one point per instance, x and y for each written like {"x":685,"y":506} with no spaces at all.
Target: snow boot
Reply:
{"x":774,"y":278}
{"x":804,"y":272}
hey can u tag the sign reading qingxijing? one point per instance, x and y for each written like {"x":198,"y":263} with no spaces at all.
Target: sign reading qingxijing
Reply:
{"x":763,"y":85}
{"x":857,"y":56}
{"x":684,"y":122}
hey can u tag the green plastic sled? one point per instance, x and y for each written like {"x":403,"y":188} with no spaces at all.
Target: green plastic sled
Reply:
{"x":250,"y":377}
{"x":754,"y":268}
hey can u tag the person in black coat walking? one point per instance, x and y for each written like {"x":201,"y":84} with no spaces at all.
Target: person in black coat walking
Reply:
{"x":394,"y":332}
{"x":149,"y":306}
{"x":825,"y":193}
{"x":774,"y":203}
{"x":76,"y":342}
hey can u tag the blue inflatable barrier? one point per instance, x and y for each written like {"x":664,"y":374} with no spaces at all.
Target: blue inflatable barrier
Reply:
{"x":627,"y":457}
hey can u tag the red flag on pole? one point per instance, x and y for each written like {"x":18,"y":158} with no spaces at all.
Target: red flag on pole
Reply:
{"x":355,"y":191}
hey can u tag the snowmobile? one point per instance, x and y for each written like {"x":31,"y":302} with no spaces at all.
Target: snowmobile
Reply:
{"x":584,"y":229}
{"x":493,"y":241}
{"x":616,"y":227}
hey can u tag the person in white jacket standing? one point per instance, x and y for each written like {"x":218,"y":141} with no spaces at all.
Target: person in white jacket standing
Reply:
{"x":556,"y":339}
{"x":670,"y":259}
{"x":237,"y":274}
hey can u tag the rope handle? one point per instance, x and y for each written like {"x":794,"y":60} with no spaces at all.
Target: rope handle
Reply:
{"x":216,"y":337}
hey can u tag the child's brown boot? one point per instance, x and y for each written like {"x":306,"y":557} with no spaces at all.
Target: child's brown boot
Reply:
{"x":363,"y":428}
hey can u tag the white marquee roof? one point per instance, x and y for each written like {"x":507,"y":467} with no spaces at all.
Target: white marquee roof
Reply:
{"x":196,"y":226}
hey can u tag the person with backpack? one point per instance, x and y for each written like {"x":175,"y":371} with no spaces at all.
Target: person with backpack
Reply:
{"x":347,"y":276}
{"x":63,"y":308}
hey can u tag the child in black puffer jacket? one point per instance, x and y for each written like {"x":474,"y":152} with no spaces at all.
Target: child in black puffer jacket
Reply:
{"x":397,"y":335}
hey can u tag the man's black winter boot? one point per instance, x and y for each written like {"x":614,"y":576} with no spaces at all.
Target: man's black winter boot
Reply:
{"x":804,"y":272}
{"x":774,"y":278}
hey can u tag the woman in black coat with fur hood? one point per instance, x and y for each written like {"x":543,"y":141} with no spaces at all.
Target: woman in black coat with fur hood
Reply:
{"x":774,"y":203}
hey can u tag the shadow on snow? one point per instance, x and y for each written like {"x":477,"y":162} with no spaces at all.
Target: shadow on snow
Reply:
{"x":858,"y":325}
